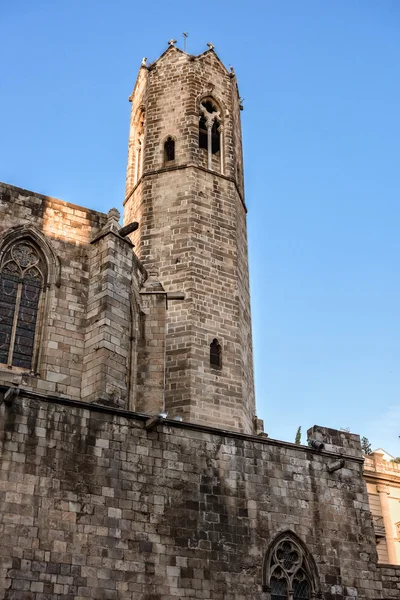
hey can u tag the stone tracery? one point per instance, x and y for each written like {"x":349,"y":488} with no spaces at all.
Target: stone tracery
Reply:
{"x":289,"y":575}
{"x":211,"y":131}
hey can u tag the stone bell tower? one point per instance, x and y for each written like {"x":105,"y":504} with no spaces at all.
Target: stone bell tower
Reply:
{"x":185,"y":188}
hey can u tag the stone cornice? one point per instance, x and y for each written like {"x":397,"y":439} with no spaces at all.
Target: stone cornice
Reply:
{"x":117,"y":412}
{"x":185,"y":166}
{"x":378,"y":478}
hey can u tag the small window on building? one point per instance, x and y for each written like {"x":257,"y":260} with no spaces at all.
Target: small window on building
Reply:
{"x":211,"y":133}
{"x":138,"y":145}
{"x":215,"y":354}
{"x":209,"y":118}
{"x":203,"y":135}
{"x":215,"y":138}
{"x":142,"y":326}
{"x":169,"y":150}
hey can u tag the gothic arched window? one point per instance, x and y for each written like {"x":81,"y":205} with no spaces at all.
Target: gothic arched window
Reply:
{"x":215,"y":354}
{"x":289,"y":570}
{"x":169,"y":150}
{"x":22,"y":279}
{"x":211,"y":131}
{"x":138,"y":144}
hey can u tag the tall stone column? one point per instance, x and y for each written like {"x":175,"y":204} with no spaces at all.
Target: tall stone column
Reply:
{"x":384,"y":491}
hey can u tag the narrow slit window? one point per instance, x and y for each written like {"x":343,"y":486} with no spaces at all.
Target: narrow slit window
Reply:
{"x":203,"y":135}
{"x":215,"y":138}
{"x":169,"y":150}
{"x":215,"y":354}
{"x":138,"y":146}
{"x":21,"y":284}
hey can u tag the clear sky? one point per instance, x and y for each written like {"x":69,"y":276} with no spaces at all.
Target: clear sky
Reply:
{"x":321,"y":125}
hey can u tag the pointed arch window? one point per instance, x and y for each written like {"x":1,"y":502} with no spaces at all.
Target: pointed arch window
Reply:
{"x":290,"y":572}
{"x":138,"y":145}
{"x":169,"y":150}
{"x":215,"y":354}
{"x":211,"y":132}
{"x":22,"y":280}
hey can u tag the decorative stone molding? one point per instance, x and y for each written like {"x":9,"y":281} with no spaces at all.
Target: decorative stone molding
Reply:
{"x":29,"y":232}
{"x":382,"y":488}
{"x":289,"y":567}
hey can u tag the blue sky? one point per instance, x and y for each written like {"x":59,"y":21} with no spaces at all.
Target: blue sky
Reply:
{"x":321,"y":145}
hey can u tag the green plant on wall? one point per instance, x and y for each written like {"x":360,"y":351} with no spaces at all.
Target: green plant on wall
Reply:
{"x":298,"y":436}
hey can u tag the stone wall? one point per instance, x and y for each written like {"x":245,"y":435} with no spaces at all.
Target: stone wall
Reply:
{"x":95,"y":506}
{"x":390,"y":581}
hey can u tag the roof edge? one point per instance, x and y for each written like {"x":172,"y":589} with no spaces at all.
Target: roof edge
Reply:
{"x":192,"y":56}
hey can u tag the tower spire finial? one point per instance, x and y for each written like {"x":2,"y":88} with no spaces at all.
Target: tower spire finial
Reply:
{"x":172,"y":42}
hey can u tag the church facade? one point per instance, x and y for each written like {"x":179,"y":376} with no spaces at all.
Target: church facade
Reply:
{"x":132,"y":461}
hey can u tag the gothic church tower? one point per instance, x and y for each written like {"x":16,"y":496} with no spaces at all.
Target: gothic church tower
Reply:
{"x":185,"y":188}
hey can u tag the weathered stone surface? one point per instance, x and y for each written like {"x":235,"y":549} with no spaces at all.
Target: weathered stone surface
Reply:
{"x":68,"y":229}
{"x":390,"y":581}
{"x":95,"y":506}
{"x":193,"y":235}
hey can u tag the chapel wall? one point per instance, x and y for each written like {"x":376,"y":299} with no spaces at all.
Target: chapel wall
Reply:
{"x":99,"y":503}
{"x":69,"y":230}
{"x":88,"y":330}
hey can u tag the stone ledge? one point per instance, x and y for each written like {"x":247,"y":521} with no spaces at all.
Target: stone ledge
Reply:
{"x":179,"y":168}
{"x":118,"y":412}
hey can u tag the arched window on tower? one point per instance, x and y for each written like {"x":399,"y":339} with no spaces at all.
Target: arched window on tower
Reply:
{"x":22,"y":280}
{"x":138,"y":142}
{"x":215,"y":354}
{"x":290,"y":572}
{"x":169,"y":150}
{"x":203,"y":135}
{"x":211,"y":132}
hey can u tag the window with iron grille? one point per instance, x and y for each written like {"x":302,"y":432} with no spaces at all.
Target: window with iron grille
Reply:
{"x":290,"y":573}
{"x":22,"y":279}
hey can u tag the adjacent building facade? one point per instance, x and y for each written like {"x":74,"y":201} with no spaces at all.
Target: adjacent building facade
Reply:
{"x":132,"y":461}
{"x":382,"y":475}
